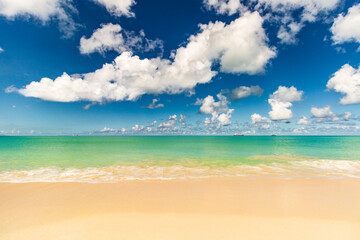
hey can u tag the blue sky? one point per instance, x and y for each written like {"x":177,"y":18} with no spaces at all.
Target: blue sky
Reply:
{"x":179,"y":67}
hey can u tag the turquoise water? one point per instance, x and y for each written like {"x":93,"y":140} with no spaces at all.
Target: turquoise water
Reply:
{"x":135,"y":157}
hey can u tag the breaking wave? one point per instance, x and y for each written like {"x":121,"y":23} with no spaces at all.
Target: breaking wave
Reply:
{"x":291,"y":169}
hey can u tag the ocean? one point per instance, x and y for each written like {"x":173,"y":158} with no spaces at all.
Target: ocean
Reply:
{"x":120,"y":158}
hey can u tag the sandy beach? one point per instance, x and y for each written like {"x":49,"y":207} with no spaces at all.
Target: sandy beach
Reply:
{"x":216,"y":208}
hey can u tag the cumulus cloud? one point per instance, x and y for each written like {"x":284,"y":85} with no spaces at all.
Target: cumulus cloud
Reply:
{"x":106,"y":38}
{"x":137,"y":128}
{"x":170,"y":123}
{"x":153,"y":105}
{"x":107,"y":130}
{"x":346,"y":27}
{"x":1,"y":50}
{"x":110,"y":37}
{"x":287,"y":32}
{"x":239,"y":47}
{"x":260,"y":122}
{"x":303,"y":121}
{"x":44,"y":10}
{"x":324,"y":114}
{"x":280,"y":102}
{"x":228,"y":7}
{"x":310,"y":8}
{"x":244,"y":92}
{"x":280,"y":11}
{"x":346,"y":81}
{"x":219,"y":110}
{"x":118,"y":7}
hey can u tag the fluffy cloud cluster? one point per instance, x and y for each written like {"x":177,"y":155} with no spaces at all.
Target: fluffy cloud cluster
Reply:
{"x":244,"y":92}
{"x":110,"y":37}
{"x":219,"y":110}
{"x":112,"y":131}
{"x":118,"y":7}
{"x":346,"y":81}
{"x":281,"y":10}
{"x":346,"y":27}
{"x":61,"y":10}
{"x":43,"y":10}
{"x":169,"y":124}
{"x":303,"y":121}
{"x":325,"y":114}
{"x":106,"y":38}
{"x":239,"y":47}
{"x":280,"y":102}
{"x":322,"y":112}
{"x":288,"y":31}
{"x":228,"y":7}
{"x":311,"y":8}
{"x":260,"y":122}
{"x":137,"y":128}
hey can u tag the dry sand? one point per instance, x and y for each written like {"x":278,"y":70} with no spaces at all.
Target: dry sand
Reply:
{"x":195,"y":209}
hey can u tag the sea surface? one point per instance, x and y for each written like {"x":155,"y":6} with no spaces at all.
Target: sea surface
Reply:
{"x":120,"y":158}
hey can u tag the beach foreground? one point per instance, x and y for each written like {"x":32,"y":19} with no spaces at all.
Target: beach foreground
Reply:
{"x":218,"y":208}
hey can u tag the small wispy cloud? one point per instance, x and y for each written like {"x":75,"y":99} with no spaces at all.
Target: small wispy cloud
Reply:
{"x":153,"y":105}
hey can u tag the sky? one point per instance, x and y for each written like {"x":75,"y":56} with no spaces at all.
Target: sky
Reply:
{"x":191,"y":67}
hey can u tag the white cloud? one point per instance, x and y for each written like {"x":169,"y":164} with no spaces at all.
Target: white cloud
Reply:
{"x":280,"y":11}
{"x":280,"y":102}
{"x":137,"y":128}
{"x":287,"y":32}
{"x":228,"y":7}
{"x":346,"y":27}
{"x":110,"y":37}
{"x":106,"y":38}
{"x":1,"y":50}
{"x":118,"y":7}
{"x":283,"y":10}
{"x":347,"y":116}
{"x":43,"y":10}
{"x":239,"y":47}
{"x":310,"y":8}
{"x":153,"y":105}
{"x":182,"y":118}
{"x":169,"y":124}
{"x":303,"y":121}
{"x":243,"y":92}
{"x":346,"y":81}
{"x":107,"y":130}
{"x":260,"y":122}
{"x":219,"y":111}
{"x":324,"y":114}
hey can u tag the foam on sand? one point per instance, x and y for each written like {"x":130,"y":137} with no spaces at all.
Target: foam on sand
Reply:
{"x":278,"y":169}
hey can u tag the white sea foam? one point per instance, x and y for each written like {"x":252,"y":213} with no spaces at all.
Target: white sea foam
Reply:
{"x":292,"y":169}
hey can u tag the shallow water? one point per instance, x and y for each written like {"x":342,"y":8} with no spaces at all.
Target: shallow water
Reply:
{"x":112,"y":159}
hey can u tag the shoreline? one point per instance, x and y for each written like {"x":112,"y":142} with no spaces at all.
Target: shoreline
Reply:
{"x":85,"y":210}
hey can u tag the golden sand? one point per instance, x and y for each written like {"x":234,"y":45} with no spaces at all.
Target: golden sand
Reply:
{"x":194,"y":209}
